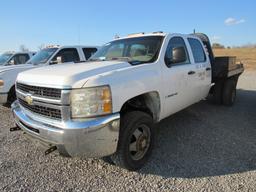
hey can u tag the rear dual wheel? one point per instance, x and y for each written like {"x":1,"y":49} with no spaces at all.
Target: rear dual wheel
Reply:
{"x":224,"y":92}
{"x":217,"y":93}
{"x":229,"y":92}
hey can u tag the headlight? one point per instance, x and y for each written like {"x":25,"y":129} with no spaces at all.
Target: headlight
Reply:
{"x":90,"y":102}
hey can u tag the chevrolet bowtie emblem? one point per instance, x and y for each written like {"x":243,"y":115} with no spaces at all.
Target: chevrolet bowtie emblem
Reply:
{"x":29,"y":99}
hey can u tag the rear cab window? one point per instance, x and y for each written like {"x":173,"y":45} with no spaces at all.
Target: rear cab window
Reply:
{"x":197,"y":50}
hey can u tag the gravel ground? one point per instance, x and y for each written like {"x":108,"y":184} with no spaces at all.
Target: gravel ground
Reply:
{"x":202,"y":148}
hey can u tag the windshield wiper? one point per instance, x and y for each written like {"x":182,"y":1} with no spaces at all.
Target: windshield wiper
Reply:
{"x":136,"y":62}
{"x":128,"y":59}
{"x":97,"y":59}
{"x":120,"y":58}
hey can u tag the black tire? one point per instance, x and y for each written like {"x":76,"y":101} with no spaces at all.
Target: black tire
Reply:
{"x":62,"y":151}
{"x":131,"y":122}
{"x":11,"y":97}
{"x":229,"y":92}
{"x":217,"y":93}
{"x":108,"y":160}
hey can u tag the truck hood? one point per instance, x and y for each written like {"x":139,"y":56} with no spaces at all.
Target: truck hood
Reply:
{"x":11,"y":67}
{"x":68,"y":75}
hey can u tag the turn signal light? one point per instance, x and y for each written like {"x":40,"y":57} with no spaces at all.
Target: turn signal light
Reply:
{"x":1,"y":82}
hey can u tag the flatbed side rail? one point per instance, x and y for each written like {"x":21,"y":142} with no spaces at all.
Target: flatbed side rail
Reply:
{"x":239,"y":70}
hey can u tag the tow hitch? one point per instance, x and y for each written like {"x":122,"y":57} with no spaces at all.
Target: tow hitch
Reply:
{"x":50,"y":150}
{"x":15,"y":129}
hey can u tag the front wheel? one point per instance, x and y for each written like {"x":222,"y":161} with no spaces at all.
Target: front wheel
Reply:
{"x":135,"y":141}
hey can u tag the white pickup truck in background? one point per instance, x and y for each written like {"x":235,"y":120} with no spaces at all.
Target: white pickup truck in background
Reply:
{"x":48,"y":56}
{"x":107,"y":106}
{"x":12,"y":58}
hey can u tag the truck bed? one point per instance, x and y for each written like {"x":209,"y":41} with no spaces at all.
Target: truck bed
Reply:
{"x":225,"y":67}
{"x":222,"y":67}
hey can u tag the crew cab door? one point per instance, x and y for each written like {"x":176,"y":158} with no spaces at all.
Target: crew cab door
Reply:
{"x":179,"y":76}
{"x":203,"y":67}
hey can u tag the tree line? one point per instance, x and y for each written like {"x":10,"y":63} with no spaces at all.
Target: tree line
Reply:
{"x":220,"y":46}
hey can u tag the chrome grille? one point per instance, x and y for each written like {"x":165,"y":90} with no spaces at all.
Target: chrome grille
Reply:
{"x":41,"y":110}
{"x":44,"y":92}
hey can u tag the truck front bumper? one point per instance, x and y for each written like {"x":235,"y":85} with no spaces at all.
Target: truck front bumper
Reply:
{"x":3,"y":98}
{"x":96,"y":137}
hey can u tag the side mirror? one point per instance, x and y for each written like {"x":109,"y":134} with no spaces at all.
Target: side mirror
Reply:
{"x":11,"y":62}
{"x":178,"y":55}
{"x":57,"y":61}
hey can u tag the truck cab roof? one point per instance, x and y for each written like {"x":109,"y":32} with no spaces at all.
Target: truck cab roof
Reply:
{"x":71,"y":46}
{"x":19,"y":52}
{"x":158,"y":33}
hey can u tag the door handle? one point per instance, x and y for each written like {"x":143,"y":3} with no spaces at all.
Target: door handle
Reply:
{"x":191,"y":72}
{"x":208,"y":69}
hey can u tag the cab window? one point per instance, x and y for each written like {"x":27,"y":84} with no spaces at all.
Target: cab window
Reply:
{"x":88,"y":52}
{"x":19,"y":59}
{"x":67,"y":55}
{"x":197,"y":50}
{"x":176,"y":52}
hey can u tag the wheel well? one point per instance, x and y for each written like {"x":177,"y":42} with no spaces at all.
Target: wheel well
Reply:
{"x":147,"y":102}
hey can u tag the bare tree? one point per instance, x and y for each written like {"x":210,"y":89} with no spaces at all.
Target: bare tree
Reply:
{"x":249,"y":45}
{"x":116,"y":36}
{"x":218,"y":46}
{"x":23,"y":48}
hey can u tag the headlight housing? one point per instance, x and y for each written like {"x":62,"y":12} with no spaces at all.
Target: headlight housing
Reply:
{"x":91,"y":102}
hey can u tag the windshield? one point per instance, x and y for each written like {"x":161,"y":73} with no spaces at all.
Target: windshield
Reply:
{"x":42,"y":56}
{"x":4,"y":58}
{"x":134,"y":50}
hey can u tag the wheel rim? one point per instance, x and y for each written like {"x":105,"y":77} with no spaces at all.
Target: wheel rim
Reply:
{"x":139,"y":142}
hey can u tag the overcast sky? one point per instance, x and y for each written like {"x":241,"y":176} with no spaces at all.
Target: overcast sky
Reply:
{"x":64,"y":22}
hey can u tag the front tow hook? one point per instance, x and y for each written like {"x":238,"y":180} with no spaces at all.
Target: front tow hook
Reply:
{"x":50,"y":150}
{"x":15,"y":129}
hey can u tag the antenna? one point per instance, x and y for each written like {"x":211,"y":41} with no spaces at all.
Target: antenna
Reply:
{"x":78,"y":31}
{"x":116,"y":36}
